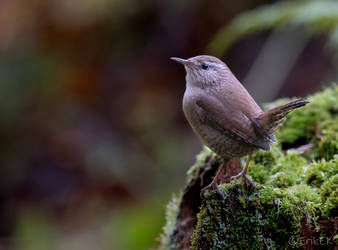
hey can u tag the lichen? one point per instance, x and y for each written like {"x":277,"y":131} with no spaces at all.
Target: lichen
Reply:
{"x":294,"y":191}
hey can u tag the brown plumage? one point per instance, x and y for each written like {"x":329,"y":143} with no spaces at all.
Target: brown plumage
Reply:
{"x":223,"y":114}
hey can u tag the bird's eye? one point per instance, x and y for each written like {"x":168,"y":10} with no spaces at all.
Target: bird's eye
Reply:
{"x":205,"y":66}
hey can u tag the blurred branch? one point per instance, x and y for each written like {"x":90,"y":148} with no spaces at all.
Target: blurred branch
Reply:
{"x":316,"y":16}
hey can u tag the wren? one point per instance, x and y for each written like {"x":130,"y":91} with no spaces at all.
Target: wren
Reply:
{"x":224,"y":115}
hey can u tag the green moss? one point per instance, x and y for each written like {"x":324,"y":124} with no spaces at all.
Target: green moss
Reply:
{"x":283,"y":179}
{"x":259,"y":173}
{"x":262,"y":163}
{"x":287,"y":171}
{"x":290,"y":162}
{"x":290,"y":188}
{"x":327,"y":139}
{"x":302,"y":122}
{"x":320,"y":171}
{"x":329,"y":191}
{"x":209,"y":223}
{"x":171,"y":213}
{"x":303,"y":192}
{"x":251,"y":219}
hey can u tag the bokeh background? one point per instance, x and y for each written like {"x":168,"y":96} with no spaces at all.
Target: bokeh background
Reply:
{"x":93,"y":141}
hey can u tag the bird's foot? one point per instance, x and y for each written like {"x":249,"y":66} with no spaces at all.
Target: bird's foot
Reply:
{"x":244,"y":176}
{"x":212,"y":186}
{"x":214,"y":183}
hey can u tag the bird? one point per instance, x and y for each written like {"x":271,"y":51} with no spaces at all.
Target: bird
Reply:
{"x":224,"y":115}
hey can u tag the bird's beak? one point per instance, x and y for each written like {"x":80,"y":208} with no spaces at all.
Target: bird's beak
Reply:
{"x":179,"y":60}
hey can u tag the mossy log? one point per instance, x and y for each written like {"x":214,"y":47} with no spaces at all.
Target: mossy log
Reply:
{"x":294,"y":204}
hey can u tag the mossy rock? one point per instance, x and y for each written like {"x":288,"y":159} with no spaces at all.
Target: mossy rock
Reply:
{"x":294,"y":204}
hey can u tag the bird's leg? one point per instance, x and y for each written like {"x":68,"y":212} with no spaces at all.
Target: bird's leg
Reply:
{"x":205,"y":169}
{"x":243,"y":172}
{"x":214,"y":182}
{"x":233,"y":167}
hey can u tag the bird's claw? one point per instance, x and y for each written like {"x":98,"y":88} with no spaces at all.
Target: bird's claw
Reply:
{"x":244,"y":176}
{"x":212,"y":186}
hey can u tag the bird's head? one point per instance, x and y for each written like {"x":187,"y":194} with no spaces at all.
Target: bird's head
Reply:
{"x":203,"y":71}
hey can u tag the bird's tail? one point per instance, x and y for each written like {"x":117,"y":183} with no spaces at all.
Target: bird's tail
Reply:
{"x":269,"y":121}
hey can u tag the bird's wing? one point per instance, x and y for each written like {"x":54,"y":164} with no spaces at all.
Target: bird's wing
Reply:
{"x":230,"y":122}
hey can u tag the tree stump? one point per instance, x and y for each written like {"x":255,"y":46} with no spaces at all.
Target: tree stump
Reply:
{"x":294,"y":204}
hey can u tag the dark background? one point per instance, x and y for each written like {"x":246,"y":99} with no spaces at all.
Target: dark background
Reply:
{"x":93,"y":140}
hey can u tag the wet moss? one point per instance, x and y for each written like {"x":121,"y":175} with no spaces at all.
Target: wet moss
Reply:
{"x":295,"y":190}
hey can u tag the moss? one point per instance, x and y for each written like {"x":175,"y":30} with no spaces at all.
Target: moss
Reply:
{"x":283,"y":179}
{"x":294,"y":191}
{"x":259,"y":173}
{"x":262,"y":163}
{"x":290,"y":162}
{"x":302,"y":122}
{"x":327,"y":140}
{"x":320,"y":171}
{"x":209,"y":223}
{"x":251,"y":219}
{"x":303,"y":192}
{"x":329,"y":191}
{"x":171,"y":213}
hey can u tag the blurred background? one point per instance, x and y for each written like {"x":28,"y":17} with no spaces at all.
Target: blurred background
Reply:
{"x":93,"y":140}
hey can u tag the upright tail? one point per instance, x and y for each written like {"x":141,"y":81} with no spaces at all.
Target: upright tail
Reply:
{"x":268,"y":122}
